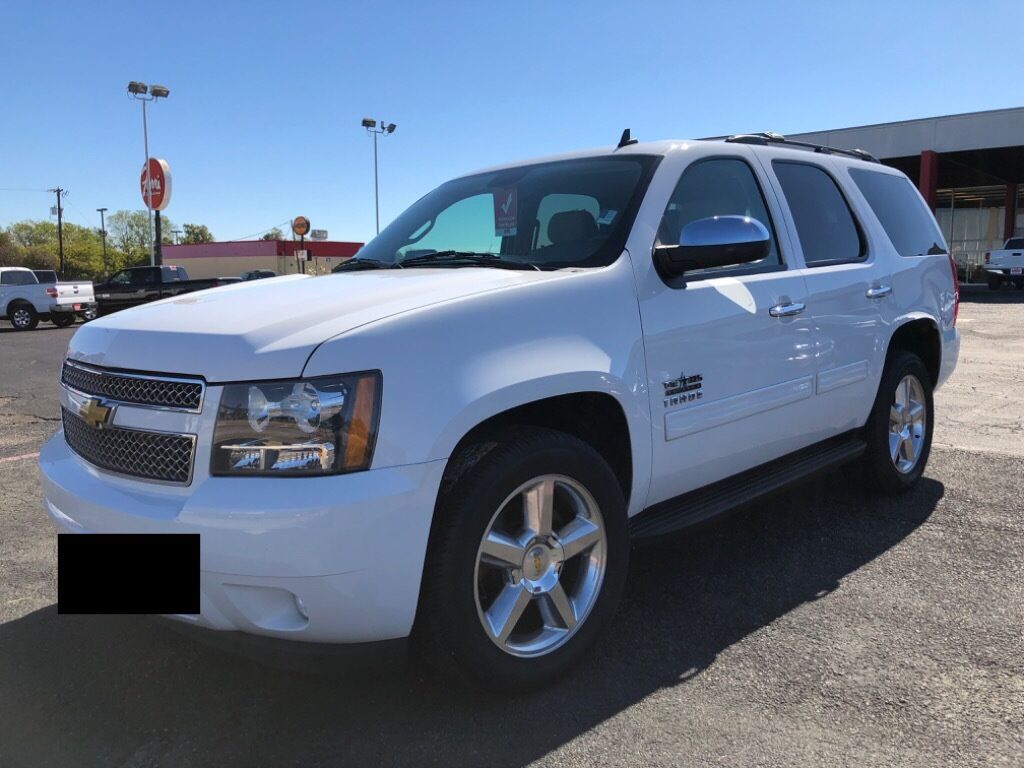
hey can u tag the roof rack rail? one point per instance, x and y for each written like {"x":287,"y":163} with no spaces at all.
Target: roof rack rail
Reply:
{"x":777,"y":138}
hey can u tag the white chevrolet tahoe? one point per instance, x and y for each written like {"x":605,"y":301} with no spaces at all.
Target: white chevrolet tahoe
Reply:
{"x":455,"y":437}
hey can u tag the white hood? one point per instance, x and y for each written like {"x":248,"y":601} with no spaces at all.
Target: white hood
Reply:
{"x":267,"y":329}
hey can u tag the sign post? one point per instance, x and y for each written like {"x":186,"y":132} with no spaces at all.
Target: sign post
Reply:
{"x":300,"y":227}
{"x":155,"y":184}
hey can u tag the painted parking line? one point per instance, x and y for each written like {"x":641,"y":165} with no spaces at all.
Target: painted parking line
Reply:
{"x":19,"y":458}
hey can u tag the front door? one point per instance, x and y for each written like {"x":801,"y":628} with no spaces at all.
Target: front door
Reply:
{"x":730,"y":351}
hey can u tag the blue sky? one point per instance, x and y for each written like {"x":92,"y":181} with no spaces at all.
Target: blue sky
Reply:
{"x":263,"y":119}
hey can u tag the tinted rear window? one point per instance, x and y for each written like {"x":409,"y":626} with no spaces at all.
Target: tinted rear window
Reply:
{"x":1015,"y":242}
{"x":824,"y":224}
{"x":901,"y":212}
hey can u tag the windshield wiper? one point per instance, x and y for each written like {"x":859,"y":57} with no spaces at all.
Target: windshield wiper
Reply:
{"x":465,"y":257}
{"x":356,"y":263}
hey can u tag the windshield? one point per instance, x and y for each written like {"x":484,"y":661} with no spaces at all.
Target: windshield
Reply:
{"x":569,"y":213}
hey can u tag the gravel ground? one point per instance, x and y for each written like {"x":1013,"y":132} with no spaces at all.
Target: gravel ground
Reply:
{"x":823,"y":627}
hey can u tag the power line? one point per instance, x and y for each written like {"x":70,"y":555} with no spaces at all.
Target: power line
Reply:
{"x":23,"y":189}
{"x":284,"y":223}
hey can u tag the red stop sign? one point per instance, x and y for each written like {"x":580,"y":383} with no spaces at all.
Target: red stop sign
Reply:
{"x":159,"y":184}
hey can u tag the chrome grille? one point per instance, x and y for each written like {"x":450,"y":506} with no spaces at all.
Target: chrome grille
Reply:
{"x":140,"y":389}
{"x":150,"y":455}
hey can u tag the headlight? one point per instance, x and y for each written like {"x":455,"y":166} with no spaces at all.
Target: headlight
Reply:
{"x":319,"y":426}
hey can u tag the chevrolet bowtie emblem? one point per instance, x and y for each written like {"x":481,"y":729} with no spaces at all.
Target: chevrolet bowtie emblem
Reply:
{"x":95,"y":413}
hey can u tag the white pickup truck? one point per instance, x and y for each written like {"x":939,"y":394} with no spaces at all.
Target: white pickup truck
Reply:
{"x":456,"y":437}
{"x":24,"y":301}
{"x":1006,"y":266}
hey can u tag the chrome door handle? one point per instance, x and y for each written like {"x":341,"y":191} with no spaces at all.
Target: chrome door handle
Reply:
{"x":787,"y":310}
{"x":879,"y":292}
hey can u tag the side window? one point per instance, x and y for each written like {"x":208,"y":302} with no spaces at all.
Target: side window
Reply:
{"x":18,"y":277}
{"x":717,"y":187}
{"x":901,"y":211}
{"x":466,"y":225}
{"x":824,"y":223}
{"x":143,"y":277}
{"x":553,"y":204}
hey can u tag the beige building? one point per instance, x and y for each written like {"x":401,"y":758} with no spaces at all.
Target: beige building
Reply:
{"x":283,"y":257}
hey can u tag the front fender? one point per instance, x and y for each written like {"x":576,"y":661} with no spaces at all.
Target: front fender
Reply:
{"x":448,"y":367}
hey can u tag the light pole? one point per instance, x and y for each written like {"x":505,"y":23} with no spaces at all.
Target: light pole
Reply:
{"x":144,"y":93}
{"x":383,"y":130}
{"x":103,"y":234}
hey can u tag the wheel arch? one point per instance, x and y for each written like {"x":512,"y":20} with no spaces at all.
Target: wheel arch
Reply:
{"x":919,"y":333}
{"x":594,"y":416}
{"x":17,"y":302}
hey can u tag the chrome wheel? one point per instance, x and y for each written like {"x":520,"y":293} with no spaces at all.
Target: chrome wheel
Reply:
{"x":21,"y":318}
{"x":540,"y":566}
{"x":908,"y":423}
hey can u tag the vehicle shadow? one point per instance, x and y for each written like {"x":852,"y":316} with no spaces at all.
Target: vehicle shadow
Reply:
{"x":985,"y":295}
{"x":108,"y":690}
{"x":8,"y":328}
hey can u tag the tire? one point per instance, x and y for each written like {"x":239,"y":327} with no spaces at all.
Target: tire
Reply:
{"x":463,"y":586}
{"x":898,"y":444}
{"x":62,"y":319}
{"x":995,"y":283}
{"x":23,"y":317}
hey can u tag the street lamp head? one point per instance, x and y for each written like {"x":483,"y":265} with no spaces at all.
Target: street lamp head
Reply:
{"x":136,"y":88}
{"x":100,"y":210}
{"x":159,"y":91}
{"x":368,"y":123}
{"x":391,"y":128}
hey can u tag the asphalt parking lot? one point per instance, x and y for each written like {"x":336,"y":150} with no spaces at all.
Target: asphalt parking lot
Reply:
{"x":823,"y":627}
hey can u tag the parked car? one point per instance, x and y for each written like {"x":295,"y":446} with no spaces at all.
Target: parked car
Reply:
{"x":258,"y":274}
{"x":140,"y":285}
{"x":1006,"y":266}
{"x":457,"y":436}
{"x":25,"y":301}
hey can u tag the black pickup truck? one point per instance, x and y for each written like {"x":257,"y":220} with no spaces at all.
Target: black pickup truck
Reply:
{"x":139,"y":285}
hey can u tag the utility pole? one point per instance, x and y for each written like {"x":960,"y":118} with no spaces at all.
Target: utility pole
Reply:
{"x":103,"y":234}
{"x":60,"y":227}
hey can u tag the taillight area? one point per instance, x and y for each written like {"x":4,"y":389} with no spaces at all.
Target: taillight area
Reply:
{"x":956,"y":287}
{"x":51,"y":292}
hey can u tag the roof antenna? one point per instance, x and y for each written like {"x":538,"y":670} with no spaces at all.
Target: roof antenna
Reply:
{"x":626,"y":140}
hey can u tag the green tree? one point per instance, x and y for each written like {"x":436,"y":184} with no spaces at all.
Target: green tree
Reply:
{"x":196,"y":233}
{"x":34,"y":244}
{"x":129,"y":232}
{"x":274,"y":234}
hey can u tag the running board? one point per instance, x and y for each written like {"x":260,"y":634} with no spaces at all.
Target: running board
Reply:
{"x":704,"y":503}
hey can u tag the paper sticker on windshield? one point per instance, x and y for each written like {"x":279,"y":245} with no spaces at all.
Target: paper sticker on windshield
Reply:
{"x":607,"y":217}
{"x":505,"y":212}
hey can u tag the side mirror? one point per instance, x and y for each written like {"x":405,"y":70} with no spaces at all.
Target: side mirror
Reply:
{"x":717,"y":241}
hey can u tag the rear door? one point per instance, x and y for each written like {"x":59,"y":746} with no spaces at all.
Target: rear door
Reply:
{"x":728,"y":380}
{"x":849,"y":285}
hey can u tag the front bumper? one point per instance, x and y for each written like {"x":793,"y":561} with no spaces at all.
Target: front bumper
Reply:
{"x":321,"y":559}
